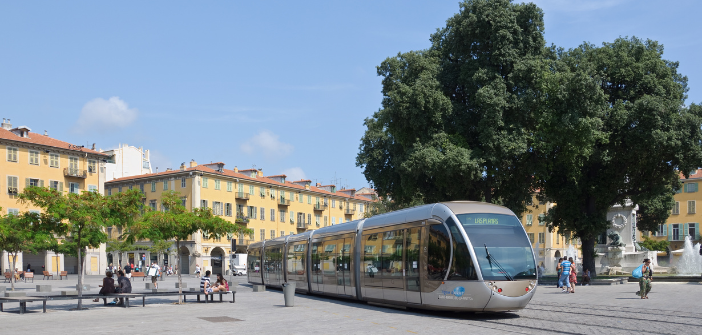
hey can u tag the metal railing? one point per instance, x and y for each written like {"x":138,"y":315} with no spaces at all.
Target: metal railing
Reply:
{"x":301,"y":225}
{"x":242,"y":195}
{"x":349,"y":211}
{"x":240,"y":218}
{"x":77,"y":173}
{"x":283,"y":202}
{"x":320,"y":207}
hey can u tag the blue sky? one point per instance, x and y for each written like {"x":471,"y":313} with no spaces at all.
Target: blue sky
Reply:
{"x":284,"y":86}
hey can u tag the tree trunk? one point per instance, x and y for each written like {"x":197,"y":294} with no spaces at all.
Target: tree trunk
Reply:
{"x":589,"y":256}
{"x":80,"y":274}
{"x":180,"y":279}
{"x":12,"y":270}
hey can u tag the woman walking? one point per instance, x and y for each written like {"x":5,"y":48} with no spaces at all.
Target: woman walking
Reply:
{"x":645,"y":280}
{"x":558,"y":272}
{"x":573,"y":275}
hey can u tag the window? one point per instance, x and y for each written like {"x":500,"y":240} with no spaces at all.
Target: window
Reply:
{"x":692,"y":230}
{"x":263,"y":234}
{"x":73,"y":165}
{"x":292,"y":216}
{"x":92,"y":188}
{"x":228,"y":209}
{"x":119,"y":189}
{"x":676,"y":208}
{"x":12,"y":154}
{"x":309,"y":218}
{"x":542,"y":238}
{"x":263,"y":214}
{"x":204,"y":182}
{"x":438,"y":257}
{"x":217,"y":208}
{"x":262,"y":190}
{"x":184,"y":201}
{"x":272,"y":214}
{"x":141,"y":188}
{"x":531,"y":237}
{"x":316,"y":219}
{"x":130,"y":187}
{"x":316,"y":200}
{"x":282,"y":216}
{"x":54,"y":160}
{"x":203,"y":203}
{"x":690,"y":206}
{"x":33,"y":157}
{"x":272,"y":234}
{"x":165,"y":185}
{"x":333,"y":203}
{"x":54,"y":185}
{"x":12,"y":185}
{"x":690,"y":187}
{"x":325,"y":221}
{"x":33,"y":182}
{"x":217,"y":184}
{"x":152,"y":204}
{"x":529,"y":219}
{"x":361,"y":207}
{"x":282,"y":233}
{"x":252,"y":212}
{"x":153,"y":186}
{"x":92,"y":166}
{"x":309,"y":199}
{"x":229,"y":186}
{"x":13,"y":211}
{"x":74,"y":188}
{"x":542,"y":219}
{"x":182,"y":182}
{"x":333,"y":220}
{"x":109,"y":191}
{"x":251,"y":190}
{"x":272,"y":194}
{"x":675,"y":232}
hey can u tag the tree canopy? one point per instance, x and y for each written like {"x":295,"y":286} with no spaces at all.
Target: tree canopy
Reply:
{"x":489,"y":113}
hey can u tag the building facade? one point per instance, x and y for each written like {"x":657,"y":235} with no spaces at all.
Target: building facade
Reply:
{"x":127,"y":161}
{"x":684,"y":219}
{"x":31,"y":159}
{"x":269,"y":205}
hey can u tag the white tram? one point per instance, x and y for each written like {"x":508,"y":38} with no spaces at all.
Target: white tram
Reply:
{"x":459,"y":256}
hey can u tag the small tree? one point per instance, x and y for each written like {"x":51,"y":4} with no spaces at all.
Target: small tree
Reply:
{"x":26,"y":232}
{"x":85,"y":218}
{"x":178,"y":224}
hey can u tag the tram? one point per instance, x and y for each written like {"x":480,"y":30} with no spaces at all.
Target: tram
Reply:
{"x":457,"y":256}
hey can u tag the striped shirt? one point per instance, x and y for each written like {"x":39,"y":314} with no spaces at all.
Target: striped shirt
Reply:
{"x":202,"y":283}
{"x":566,"y":268}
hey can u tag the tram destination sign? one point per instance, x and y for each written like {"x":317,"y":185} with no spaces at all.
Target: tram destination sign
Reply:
{"x":484,"y":220}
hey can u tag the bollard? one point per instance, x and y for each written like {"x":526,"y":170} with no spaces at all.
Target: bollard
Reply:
{"x":289,"y":293}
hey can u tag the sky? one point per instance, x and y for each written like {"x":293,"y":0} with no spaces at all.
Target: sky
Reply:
{"x":280,"y":85}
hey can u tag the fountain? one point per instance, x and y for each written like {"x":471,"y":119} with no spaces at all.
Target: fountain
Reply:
{"x":690,"y":263}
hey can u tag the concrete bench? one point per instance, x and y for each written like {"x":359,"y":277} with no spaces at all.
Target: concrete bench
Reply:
{"x":22,"y":302}
{"x":43,"y":288}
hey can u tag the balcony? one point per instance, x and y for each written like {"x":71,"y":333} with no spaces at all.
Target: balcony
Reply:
{"x":242,"y":219}
{"x":349,"y":211}
{"x":320,"y":207}
{"x":244,"y":242}
{"x":75,"y":173}
{"x":242,"y":195}
{"x":301,"y":225}
{"x":283,"y":202}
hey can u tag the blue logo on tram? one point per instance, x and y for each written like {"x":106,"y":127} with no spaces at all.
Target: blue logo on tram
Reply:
{"x":458,"y":291}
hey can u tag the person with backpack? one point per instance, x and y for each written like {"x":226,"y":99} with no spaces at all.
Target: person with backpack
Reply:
{"x":645,"y":280}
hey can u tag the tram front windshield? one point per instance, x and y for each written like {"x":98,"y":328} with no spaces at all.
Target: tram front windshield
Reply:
{"x":504,"y":240}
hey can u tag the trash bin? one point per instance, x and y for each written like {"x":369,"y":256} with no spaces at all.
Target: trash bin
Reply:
{"x":289,"y":293}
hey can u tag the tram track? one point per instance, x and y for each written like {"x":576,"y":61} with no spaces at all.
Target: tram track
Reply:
{"x":616,"y":309}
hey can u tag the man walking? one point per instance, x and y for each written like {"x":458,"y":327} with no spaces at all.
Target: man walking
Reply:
{"x":154,"y":272}
{"x":564,"y":281}
{"x":128,"y":271}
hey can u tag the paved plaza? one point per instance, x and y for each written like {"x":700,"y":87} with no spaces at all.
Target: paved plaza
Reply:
{"x":673,"y":308}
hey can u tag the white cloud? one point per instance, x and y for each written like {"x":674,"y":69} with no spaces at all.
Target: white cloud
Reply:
{"x":268,"y":144}
{"x":105,"y":114}
{"x":294,"y":174}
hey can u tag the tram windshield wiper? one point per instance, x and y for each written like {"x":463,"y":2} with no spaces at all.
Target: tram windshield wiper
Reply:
{"x":491,"y":260}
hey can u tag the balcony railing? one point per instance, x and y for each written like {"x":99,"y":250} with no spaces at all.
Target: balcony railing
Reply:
{"x":70,"y":172}
{"x":320,"y":207}
{"x":244,"y":242}
{"x":283,"y":202}
{"x":349,"y":211}
{"x":242,"y":195}
{"x":301,"y":225}
{"x":243,"y":219}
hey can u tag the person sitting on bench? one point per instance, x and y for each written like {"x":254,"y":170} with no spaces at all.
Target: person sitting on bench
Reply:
{"x":108,"y":286}
{"x":205,"y":285}
{"x":123,"y":285}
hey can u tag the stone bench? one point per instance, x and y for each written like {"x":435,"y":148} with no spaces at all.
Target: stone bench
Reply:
{"x":43,"y":288}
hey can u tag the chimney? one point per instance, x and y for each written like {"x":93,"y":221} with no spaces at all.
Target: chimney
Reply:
{"x":260,"y":173}
{"x":236,"y":169}
{"x":157,"y":169}
{"x":169,"y":169}
{"x":46,"y":133}
{"x":182,"y":166}
{"x":93,"y":147}
{"x":193,"y":163}
{"x":6,"y":124}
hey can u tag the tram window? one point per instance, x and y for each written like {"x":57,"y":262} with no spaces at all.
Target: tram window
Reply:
{"x":462,"y":266}
{"x":328,"y":258}
{"x":254,"y":260}
{"x":296,"y":259}
{"x":412,"y":237}
{"x":439,"y":252}
{"x":371,"y":255}
{"x":392,"y":253}
{"x":316,"y":248}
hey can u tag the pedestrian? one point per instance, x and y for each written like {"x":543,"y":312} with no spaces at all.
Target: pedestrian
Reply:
{"x":558,"y":272}
{"x":29,"y":267}
{"x":586,"y":277}
{"x":128,"y":271}
{"x":645,"y":280}
{"x":563,"y":280}
{"x":124,"y":285}
{"x":573,"y":275}
{"x":108,"y":286}
{"x":197,"y":270}
{"x":154,"y":271}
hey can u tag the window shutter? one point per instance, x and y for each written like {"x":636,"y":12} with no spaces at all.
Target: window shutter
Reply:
{"x":670,"y":236}
{"x":685,"y":232}
{"x":41,"y":183}
{"x":697,"y":232}
{"x":60,"y":188}
{"x":26,"y":182}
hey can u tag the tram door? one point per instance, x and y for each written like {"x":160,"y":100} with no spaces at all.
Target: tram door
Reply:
{"x":344,"y":268}
{"x":413,"y":237}
{"x":328,"y":260}
{"x":371,"y":266}
{"x":316,"y":275}
{"x":393,"y":266}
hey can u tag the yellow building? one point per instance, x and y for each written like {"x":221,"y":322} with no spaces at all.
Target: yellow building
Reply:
{"x":549,"y":245}
{"x":684,"y":219}
{"x":31,"y":159}
{"x":271,"y":206}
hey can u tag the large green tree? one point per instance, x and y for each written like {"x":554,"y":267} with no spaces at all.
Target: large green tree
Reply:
{"x":613,"y":127}
{"x":456,"y":120}
{"x":26,"y":232}
{"x":176,"y":223}
{"x":85,"y":218}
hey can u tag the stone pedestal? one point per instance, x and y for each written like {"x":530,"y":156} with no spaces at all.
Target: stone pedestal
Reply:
{"x":150,"y":286}
{"x":69,"y":292}
{"x":12,"y":294}
{"x":185,"y":285}
{"x":259,"y":288}
{"x":43,"y":288}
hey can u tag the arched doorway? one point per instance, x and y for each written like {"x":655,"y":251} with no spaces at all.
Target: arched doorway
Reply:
{"x":217,"y":257}
{"x":558,"y":254}
{"x":184,"y":267}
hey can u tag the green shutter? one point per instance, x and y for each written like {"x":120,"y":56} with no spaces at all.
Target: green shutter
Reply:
{"x":685,"y":232}
{"x":670,"y":236}
{"x":697,"y":232}
{"x":41,"y":183}
{"x":60,"y":188}
{"x":26,"y":182}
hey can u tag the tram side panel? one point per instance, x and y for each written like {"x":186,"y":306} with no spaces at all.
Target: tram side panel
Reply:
{"x":254,"y":266}
{"x":296,"y":265}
